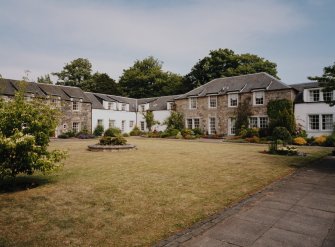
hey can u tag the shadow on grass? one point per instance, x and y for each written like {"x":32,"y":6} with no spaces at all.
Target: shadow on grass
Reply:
{"x":10,"y":185}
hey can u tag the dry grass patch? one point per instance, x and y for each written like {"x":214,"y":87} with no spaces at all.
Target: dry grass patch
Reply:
{"x":136,"y":198}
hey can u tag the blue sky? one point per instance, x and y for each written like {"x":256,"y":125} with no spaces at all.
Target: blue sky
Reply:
{"x":42,"y":36}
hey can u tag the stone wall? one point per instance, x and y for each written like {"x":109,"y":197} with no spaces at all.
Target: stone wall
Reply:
{"x":83,"y":116}
{"x":222,"y":112}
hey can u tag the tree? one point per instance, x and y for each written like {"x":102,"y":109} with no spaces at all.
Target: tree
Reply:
{"x":102,"y":83}
{"x":327,"y":81}
{"x":25,"y":128}
{"x":175,"y":121}
{"x":149,"y":119}
{"x":243,"y":114}
{"x":77,"y":73}
{"x":44,"y":79}
{"x":147,"y":79}
{"x":225,"y":63}
{"x":281,"y":114}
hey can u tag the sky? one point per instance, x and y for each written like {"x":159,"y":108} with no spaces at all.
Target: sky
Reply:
{"x":38,"y":37}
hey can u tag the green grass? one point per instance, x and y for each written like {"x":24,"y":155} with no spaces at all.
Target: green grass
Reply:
{"x":136,"y":198}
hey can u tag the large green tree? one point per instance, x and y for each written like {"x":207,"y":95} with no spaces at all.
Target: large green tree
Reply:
{"x":327,"y":81}
{"x":25,"y":127}
{"x":77,"y":73}
{"x":44,"y":79}
{"x":147,"y":79}
{"x":102,"y":83}
{"x":225,"y":63}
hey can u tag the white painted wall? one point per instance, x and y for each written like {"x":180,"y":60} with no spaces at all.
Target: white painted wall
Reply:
{"x":118,"y":116}
{"x":301,"y":112}
{"x":160,"y":116}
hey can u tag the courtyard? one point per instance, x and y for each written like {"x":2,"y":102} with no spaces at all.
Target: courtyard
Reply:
{"x":137,"y":198}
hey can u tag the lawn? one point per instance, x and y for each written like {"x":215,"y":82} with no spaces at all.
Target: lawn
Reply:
{"x":136,"y":198}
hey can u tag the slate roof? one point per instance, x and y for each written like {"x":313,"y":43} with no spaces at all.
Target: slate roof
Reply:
{"x":300,"y":88}
{"x":96,"y":104}
{"x":10,"y":87}
{"x":241,"y":84}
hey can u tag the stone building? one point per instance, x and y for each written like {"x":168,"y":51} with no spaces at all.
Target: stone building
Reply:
{"x":76,"y":108}
{"x":212,"y":107}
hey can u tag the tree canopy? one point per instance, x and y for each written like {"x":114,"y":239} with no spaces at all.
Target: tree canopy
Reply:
{"x":147,"y":79}
{"x":102,"y":83}
{"x":327,"y":81}
{"x":25,"y":127}
{"x":77,"y":73}
{"x":225,"y":63}
{"x":44,"y":79}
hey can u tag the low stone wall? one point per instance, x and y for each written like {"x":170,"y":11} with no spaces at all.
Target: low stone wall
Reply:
{"x":111,"y":148}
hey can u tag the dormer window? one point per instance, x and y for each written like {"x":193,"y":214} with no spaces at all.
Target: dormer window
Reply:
{"x":259,"y":98}
{"x":314,"y":95}
{"x":142,"y":108}
{"x":169,"y":105}
{"x":193,"y":103}
{"x":110,"y":106}
{"x":233,"y":100}
{"x":212,"y":101}
{"x":123,"y":106}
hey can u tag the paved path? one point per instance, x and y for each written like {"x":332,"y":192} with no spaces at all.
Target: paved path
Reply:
{"x":296,"y":211}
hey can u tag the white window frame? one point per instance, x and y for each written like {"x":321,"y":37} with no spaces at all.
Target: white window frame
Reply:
{"x":230,"y":96}
{"x":255,"y":93}
{"x":210,"y":126}
{"x":314,"y":95}
{"x":100,"y":122}
{"x":123,"y":125}
{"x":232,"y":126}
{"x":75,"y":106}
{"x":123,"y":107}
{"x":111,"y":123}
{"x":131,"y":124}
{"x":77,"y":128}
{"x":142,"y":126}
{"x":257,"y":123}
{"x":193,"y":103}
{"x":212,"y":99}
{"x":191,"y":122}
{"x":328,"y":94}
{"x":321,"y":122}
{"x":169,"y":106}
{"x":317,"y":117}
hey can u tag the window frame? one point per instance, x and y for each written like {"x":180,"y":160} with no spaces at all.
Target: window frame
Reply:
{"x":193,"y":103}
{"x":75,"y":129}
{"x":75,"y":105}
{"x":255,"y":98}
{"x":230,"y":100}
{"x":210,"y":101}
{"x":211,"y":126}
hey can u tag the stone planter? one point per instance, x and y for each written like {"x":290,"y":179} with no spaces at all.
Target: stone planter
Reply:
{"x":111,"y":148}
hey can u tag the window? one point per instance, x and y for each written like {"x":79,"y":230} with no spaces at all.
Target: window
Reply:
{"x":193,"y":103}
{"x":111,"y":123}
{"x":328,"y":96}
{"x":259,"y":98}
{"x":123,"y":123}
{"x":142,"y":126}
{"x":327,"y":122}
{"x":314,"y":95}
{"x":232,"y":126}
{"x":314,"y":122}
{"x":64,"y":126}
{"x":189,"y":123}
{"x":193,"y":123}
{"x":75,"y":127}
{"x":263,"y":122}
{"x":123,"y":107}
{"x":253,"y":122}
{"x":142,"y":108}
{"x":170,"y":105}
{"x":131,"y":124}
{"x":232,"y":100}
{"x":111,"y":106}
{"x":75,"y":105}
{"x":212,"y":124}
{"x":100,"y":122}
{"x":196,"y":123}
{"x":212,"y":101}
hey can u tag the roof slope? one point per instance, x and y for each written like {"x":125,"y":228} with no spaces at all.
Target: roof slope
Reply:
{"x":242,"y":84}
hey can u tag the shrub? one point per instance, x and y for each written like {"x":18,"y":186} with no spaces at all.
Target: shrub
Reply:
{"x":281,"y":133}
{"x":330,"y":141}
{"x":280,"y":112}
{"x":264,"y":132}
{"x":154,"y":134}
{"x":299,"y":141}
{"x":249,"y":132}
{"x":179,"y":136}
{"x":99,"y":130}
{"x":175,"y":121}
{"x":63,"y":136}
{"x":254,"y":139}
{"x":112,"y":132}
{"x":105,"y":140}
{"x":288,"y":150}
{"x":171,"y":132}
{"x":187,"y":132}
{"x":125,"y":135}
{"x":198,"y":132}
{"x":320,"y":140}
{"x":135,"y":132}
{"x":119,"y":140}
{"x":85,"y":136}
